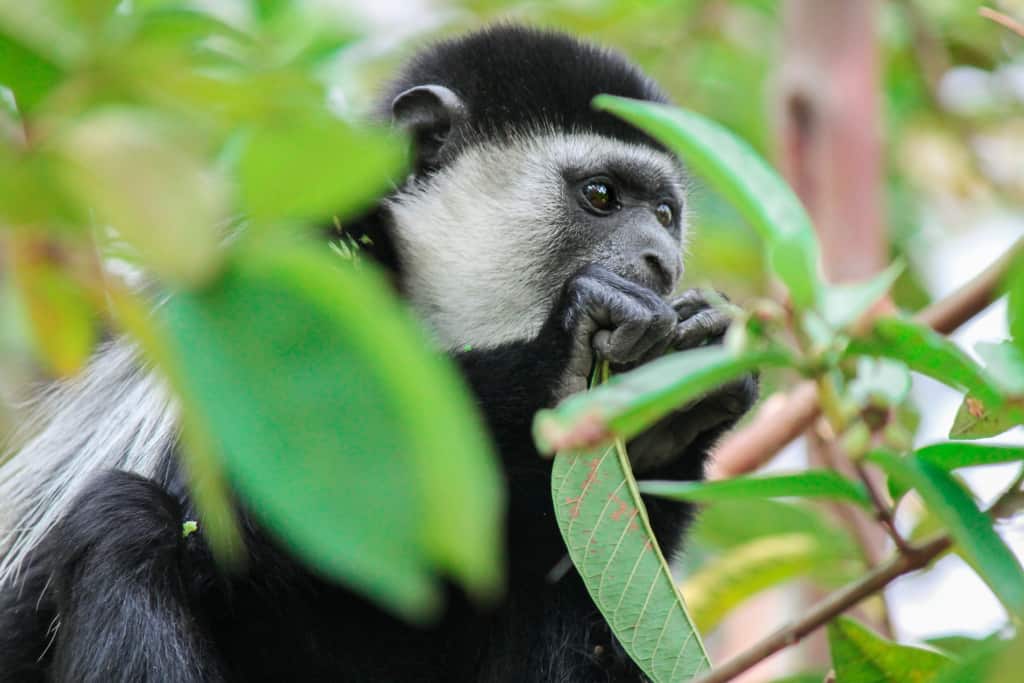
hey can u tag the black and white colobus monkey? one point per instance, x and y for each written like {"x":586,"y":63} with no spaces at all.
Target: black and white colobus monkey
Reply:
{"x":534,"y":229}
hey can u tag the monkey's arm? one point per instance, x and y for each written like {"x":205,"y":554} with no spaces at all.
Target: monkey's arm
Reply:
{"x":119,"y":587}
{"x":627,"y":325}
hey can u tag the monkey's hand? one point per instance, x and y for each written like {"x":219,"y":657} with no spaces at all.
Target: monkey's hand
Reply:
{"x":697,"y":425}
{"x":615,"y":319}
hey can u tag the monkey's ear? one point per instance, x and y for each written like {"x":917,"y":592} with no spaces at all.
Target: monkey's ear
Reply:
{"x":428,"y":113}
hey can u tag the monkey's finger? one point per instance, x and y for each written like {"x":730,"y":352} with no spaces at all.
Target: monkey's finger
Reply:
{"x":706,"y":327}
{"x":689,"y":303}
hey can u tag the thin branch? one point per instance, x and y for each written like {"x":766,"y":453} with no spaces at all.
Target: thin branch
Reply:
{"x":783,"y":419}
{"x":829,"y":608}
{"x":883,"y":511}
{"x":1004,"y":20}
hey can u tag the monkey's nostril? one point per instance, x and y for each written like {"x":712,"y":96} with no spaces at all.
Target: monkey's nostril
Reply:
{"x":664,"y":274}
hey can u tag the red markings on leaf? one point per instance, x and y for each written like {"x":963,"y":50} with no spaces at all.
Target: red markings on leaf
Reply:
{"x":976,"y":408}
{"x":622,"y":509}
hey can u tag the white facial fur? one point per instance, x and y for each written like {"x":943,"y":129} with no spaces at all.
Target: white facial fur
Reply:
{"x":480,"y":241}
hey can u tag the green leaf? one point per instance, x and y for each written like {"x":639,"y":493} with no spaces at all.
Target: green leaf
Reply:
{"x":629,"y":403}
{"x":60,"y":315}
{"x":1004,"y":362}
{"x":1015,"y":302}
{"x":343,"y":433}
{"x":861,"y":656}
{"x":880,"y":381}
{"x":813,"y":484}
{"x":29,"y":74}
{"x":926,"y":351}
{"x":979,"y":661}
{"x":318,"y":168}
{"x":731,"y":523}
{"x":980,"y":545}
{"x":605,"y":526}
{"x":951,"y":456}
{"x":141,"y":177}
{"x":975,"y":420}
{"x":843,"y":305}
{"x":725,"y":582}
{"x":733,"y":168}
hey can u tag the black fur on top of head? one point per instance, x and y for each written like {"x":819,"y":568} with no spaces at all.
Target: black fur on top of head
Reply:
{"x":513,"y":79}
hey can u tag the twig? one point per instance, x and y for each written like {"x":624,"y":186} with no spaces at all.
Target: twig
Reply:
{"x":835,"y":604}
{"x":1004,"y":20}
{"x":883,"y":511}
{"x":782,"y":420}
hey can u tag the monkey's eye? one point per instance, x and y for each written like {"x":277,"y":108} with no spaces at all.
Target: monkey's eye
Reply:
{"x":664,"y":214}
{"x":600,"y":196}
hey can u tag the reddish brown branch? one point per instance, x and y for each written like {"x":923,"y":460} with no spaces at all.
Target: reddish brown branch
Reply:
{"x":782,"y":419}
{"x":832,"y":606}
{"x":1004,"y":20}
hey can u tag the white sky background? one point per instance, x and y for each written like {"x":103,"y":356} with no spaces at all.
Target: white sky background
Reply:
{"x":949,"y":598}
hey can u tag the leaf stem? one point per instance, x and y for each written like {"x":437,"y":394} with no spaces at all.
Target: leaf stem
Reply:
{"x":833,"y":605}
{"x":883,"y":511}
{"x":784,"y":419}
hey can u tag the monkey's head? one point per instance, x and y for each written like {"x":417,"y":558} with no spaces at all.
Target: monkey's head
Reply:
{"x":518,"y":182}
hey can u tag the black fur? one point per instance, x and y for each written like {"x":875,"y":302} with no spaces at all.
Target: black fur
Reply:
{"x":549,"y":80}
{"x":118,"y":594}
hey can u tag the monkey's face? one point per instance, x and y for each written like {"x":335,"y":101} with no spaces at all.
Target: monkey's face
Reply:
{"x":488,"y":241}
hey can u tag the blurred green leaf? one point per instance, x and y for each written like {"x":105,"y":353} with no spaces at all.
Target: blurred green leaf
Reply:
{"x":605,"y":526}
{"x":951,"y":456}
{"x":30,"y":75}
{"x":140,"y":177}
{"x":731,"y":523}
{"x":630,"y":402}
{"x":60,"y":314}
{"x":978,"y":661}
{"x":728,"y":580}
{"x":317,"y":168}
{"x":843,"y":305}
{"x":812,"y":484}
{"x":970,"y":528}
{"x":975,"y":420}
{"x":92,"y":13}
{"x":1015,"y":302}
{"x":880,"y":381}
{"x":928,"y":352}
{"x":733,"y":168}
{"x":1004,"y":362}
{"x":388,"y":478}
{"x":861,"y":656}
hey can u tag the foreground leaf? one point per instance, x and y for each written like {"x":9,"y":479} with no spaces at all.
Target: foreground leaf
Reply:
{"x":951,"y":456}
{"x":1004,"y":362}
{"x":861,"y":656}
{"x":344,"y":435}
{"x":605,"y":526}
{"x":30,"y":75}
{"x":1015,"y":302}
{"x":60,"y":314}
{"x":813,"y":484}
{"x":980,"y":545}
{"x":332,"y":168}
{"x":629,"y":403}
{"x":725,"y":582}
{"x":843,"y":305}
{"x":975,"y":420}
{"x":733,"y":168}
{"x":926,"y":351}
{"x":142,"y":179}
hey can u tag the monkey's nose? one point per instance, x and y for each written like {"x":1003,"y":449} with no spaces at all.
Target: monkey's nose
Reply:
{"x":664,"y":271}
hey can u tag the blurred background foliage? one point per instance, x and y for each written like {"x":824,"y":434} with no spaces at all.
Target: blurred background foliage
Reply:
{"x":207,"y":96}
